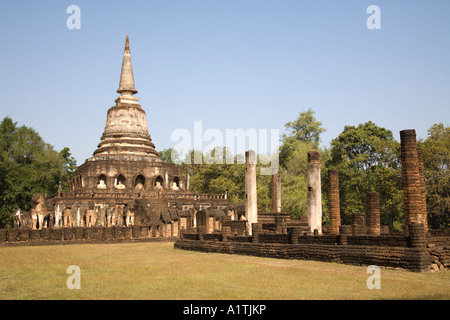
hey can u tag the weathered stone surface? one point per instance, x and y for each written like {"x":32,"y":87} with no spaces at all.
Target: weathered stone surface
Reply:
{"x":314,"y":193}
{"x":276,"y":191}
{"x":251,"y":203}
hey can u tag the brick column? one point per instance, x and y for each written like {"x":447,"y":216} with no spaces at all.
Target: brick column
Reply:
{"x":417,"y":237}
{"x":423,"y":189}
{"x":411,"y":179}
{"x":358,"y":224}
{"x":314,"y":195}
{"x":373,"y":214}
{"x":333,"y":201}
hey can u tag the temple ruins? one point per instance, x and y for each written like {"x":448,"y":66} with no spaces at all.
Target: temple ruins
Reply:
{"x":126,"y":192}
{"x":364,"y":242}
{"x":125,"y":183}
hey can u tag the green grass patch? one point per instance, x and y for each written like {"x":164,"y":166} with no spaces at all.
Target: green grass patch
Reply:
{"x":158,"y":271}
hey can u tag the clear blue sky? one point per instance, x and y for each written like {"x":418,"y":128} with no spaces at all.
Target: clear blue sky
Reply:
{"x":229,"y":63}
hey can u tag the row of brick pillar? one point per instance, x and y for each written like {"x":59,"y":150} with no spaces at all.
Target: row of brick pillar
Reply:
{"x":364,"y":223}
{"x":413,"y":187}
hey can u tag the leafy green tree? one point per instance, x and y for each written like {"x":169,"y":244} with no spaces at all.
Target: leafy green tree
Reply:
{"x":368,"y":160}
{"x":263,"y":189}
{"x":302,"y":135}
{"x":436,"y":157}
{"x":293,"y":179}
{"x":27,"y":165}
{"x":169,"y":155}
{"x":216,"y":178}
{"x":304,"y":129}
{"x":70,"y":166}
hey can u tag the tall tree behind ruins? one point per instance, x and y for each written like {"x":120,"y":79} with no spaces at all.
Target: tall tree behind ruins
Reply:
{"x":302,"y":135}
{"x":368,"y":160}
{"x":27,"y":165}
{"x":436,"y":157}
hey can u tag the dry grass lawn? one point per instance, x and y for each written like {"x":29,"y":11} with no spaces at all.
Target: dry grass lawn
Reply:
{"x":158,"y":271}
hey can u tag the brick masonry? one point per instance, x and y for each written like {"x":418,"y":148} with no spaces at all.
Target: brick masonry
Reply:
{"x":77,"y":235}
{"x":413,"y":199}
{"x":373,"y":214}
{"x":410,"y":258}
{"x":420,"y":251}
{"x":358,"y":223}
{"x":333,"y":200}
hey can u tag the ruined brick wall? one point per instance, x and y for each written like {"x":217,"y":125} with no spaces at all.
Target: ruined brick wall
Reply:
{"x":78,"y":235}
{"x":414,"y":259}
{"x":273,"y":238}
{"x":417,"y":252}
{"x":439,"y":237}
{"x":440,"y":256}
{"x":365,"y":240}
{"x":237,"y":227}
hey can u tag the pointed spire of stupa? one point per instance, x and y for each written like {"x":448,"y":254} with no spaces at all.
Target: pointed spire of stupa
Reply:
{"x":126,"y":133}
{"x":126,"y":84}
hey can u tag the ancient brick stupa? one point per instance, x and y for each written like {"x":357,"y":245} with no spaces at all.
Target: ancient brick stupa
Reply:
{"x":125,"y":182}
{"x":126,"y":130}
